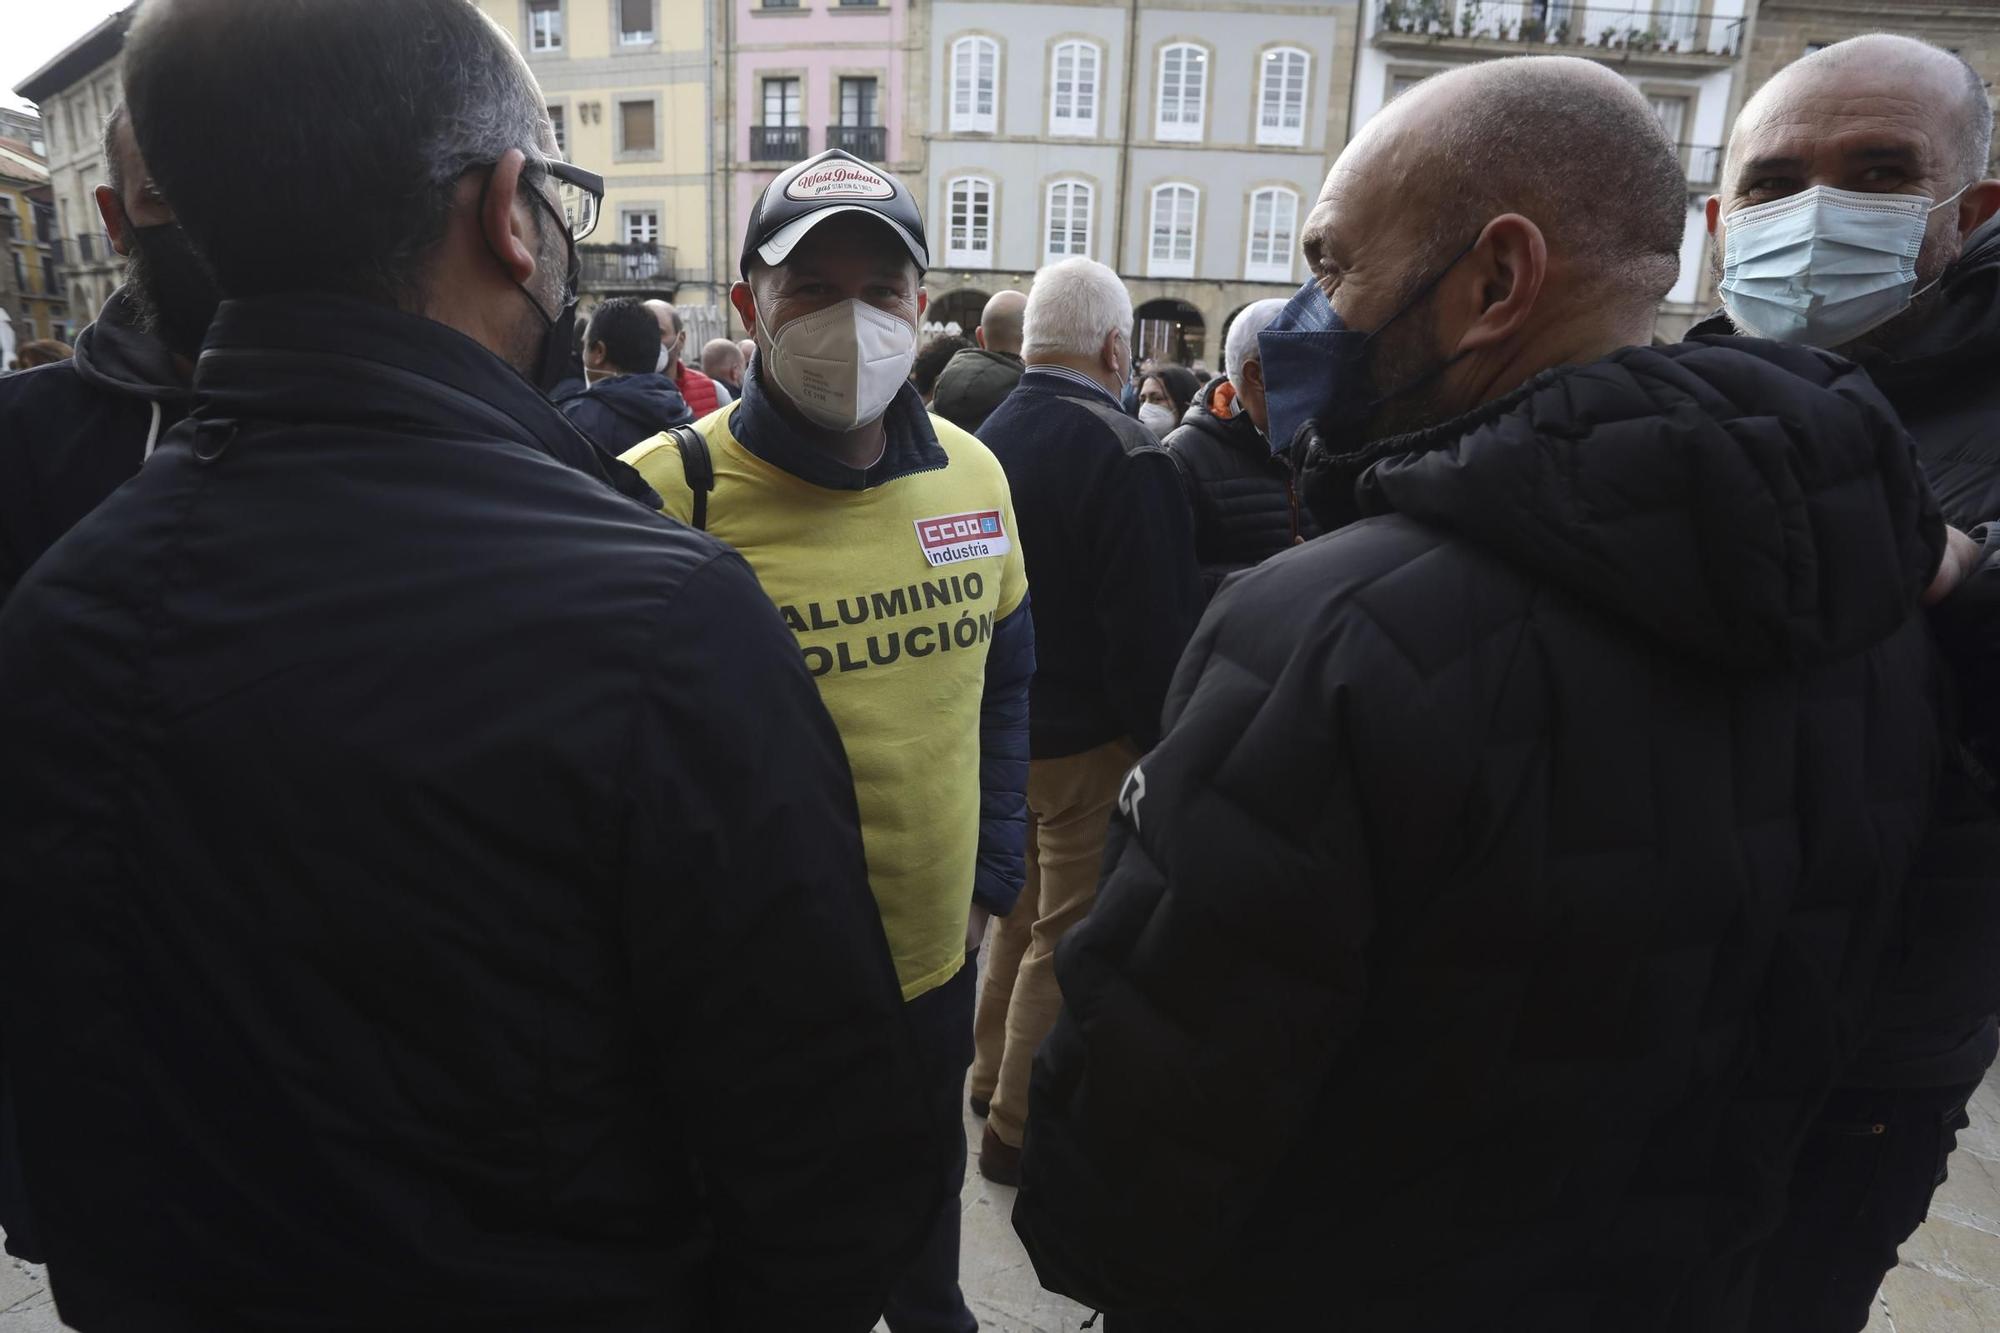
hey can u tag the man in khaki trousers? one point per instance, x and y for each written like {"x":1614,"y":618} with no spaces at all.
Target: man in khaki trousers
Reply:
{"x":1103,"y":518}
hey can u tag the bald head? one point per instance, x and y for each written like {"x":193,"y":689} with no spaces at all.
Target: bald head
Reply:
{"x":1564,"y":142}
{"x":1922,"y":94}
{"x":1000,"y":323}
{"x":1495,"y":222}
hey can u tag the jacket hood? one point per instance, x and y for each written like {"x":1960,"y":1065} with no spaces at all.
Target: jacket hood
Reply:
{"x":645,"y":400}
{"x":1749,"y":505}
{"x":118,"y":356}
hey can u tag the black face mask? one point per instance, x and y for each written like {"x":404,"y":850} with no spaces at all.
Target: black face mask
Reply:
{"x":552,"y":363}
{"x":171,"y":286}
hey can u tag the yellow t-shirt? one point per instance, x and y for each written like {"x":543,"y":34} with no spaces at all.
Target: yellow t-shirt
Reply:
{"x":893,"y":593}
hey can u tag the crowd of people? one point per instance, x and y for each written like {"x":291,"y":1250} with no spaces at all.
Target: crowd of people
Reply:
{"x":1474,"y":818}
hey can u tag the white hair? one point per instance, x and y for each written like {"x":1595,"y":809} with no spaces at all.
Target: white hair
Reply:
{"x":1241,"y":349}
{"x":1072,"y":307}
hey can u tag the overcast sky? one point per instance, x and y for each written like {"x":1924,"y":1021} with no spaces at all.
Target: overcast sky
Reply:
{"x":36,"y":29}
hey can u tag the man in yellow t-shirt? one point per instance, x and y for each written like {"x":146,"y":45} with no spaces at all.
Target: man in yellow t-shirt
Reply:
{"x":886,"y":538}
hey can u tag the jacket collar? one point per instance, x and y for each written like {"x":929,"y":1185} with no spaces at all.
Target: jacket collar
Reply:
{"x":116,"y":355}
{"x":312,"y":358}
{"x":1066,"y":383}
{"x":785,"y":440}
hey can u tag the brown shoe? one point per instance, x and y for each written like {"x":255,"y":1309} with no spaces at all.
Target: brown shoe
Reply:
{"x":998,"y":1162}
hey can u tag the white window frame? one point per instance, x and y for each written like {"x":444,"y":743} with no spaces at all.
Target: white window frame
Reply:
{"x":1274,"y":89}
{"x":1276,"y":264}
{"x":647,"y":216}
{"x":650,"y":37}
{"x":561,"y":43}
{"x":956,"y":256}
{"x":1169,"y":265}
{"x":967,"y":115}
{"x":558,"y":114}
{"x":1070,"y":122}
{"x":1078,"y":192}
{"x":1180,"y":129}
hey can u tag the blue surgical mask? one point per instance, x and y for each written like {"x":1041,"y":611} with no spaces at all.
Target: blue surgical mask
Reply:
{"x":1316,"y":369}
{"x":1824,"y":266}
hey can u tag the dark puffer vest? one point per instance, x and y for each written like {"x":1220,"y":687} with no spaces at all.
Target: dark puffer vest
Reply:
{"x":1246,"y":505}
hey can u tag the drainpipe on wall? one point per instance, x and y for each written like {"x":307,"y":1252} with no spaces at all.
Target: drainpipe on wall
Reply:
{"x":1125,"y":133}
{"x":708,"y":27}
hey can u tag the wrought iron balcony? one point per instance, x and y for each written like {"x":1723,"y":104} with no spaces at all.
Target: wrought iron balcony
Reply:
{"x":633,"y":265}
{"x":870,"y":143}
{"x":1702,"y":162}
{"x":1579,"y":27}
{"x":777,"y":143}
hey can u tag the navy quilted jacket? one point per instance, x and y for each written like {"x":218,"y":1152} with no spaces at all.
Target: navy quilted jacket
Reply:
{"x":1510,"y":881}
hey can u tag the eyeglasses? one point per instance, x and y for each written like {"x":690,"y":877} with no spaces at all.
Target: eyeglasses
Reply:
{"x":580,"y":194}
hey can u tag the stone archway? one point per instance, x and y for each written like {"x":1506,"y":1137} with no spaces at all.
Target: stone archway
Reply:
{"x":962,"y":307}
{"x":1170,"y":330}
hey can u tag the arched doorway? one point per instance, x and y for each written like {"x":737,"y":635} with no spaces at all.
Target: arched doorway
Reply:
{"x":1222,"y":338}
{"x":1170,"y":330}
{"x":962,"y":307}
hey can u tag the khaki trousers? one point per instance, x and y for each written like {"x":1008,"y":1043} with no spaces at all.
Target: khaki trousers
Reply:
{"x":1069,"y":817}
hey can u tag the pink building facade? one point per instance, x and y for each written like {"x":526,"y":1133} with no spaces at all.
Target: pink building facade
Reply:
{"x":811,"y":75}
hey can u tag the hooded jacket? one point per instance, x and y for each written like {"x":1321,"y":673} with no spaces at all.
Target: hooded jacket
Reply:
{"x":1944,"y":381}
{"x":619,"y":412}
{"x":973,"y":384}
{"x":74,"y":431}
{"x":1509,"y":885}
{"x":1245,"y":500}
{"x":400,"y":837}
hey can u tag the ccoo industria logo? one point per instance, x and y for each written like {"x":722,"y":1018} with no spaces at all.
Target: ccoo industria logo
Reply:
{"x":957,"y":537}
{"x":839,"y":180}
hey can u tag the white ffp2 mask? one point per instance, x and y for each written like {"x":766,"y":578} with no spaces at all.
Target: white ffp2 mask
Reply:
{"x":1824,"y":266}
{"x":842,"y":366}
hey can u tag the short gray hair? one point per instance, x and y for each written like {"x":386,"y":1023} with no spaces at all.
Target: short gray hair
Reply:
{"x":230,"y":103}
{"x":1241,"y":347}
{"x":1072,"y":306}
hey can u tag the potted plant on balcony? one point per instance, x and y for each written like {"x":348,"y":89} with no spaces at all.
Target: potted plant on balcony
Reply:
{"x":1533,"y":29}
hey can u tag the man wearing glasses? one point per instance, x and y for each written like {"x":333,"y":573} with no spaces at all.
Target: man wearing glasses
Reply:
{"x":432,"y":888}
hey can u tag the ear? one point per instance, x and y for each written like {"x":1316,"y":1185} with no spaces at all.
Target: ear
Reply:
{"x":745,"y":303}
{"x":1714,"y":212}
{"x":1977,"y":205}
{"x":593,"y":355}
{"x":924,"y":303}
{"x":1507,"y":265}
{"x":1107,"y":355}
{"x":1253,"y":375}
{"x":979,"y":336}
{"x":112,"y":209}
{"x":503,"y":217}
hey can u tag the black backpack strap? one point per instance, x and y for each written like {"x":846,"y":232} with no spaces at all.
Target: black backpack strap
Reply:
{"x":698,"y":468}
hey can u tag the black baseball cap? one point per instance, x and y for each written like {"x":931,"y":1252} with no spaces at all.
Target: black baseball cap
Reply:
{"x":827,"y":186}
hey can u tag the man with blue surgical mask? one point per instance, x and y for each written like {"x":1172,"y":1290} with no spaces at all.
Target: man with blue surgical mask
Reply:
{"x":1854,"y":197}
{"x":1516,"y":863}
{"x":886,"y":537}
{"x":1856,"y":216}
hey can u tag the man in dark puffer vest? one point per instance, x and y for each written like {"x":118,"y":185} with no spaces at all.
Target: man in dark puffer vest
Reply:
{"x":1244,"y":497}
{"x":1509,"y":884}
{"x":1911,"y":128}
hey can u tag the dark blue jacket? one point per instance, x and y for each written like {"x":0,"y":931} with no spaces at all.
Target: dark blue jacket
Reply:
{"x":618,"y":413}
{"x":399,"y":834}
{"x":1110,"y":551}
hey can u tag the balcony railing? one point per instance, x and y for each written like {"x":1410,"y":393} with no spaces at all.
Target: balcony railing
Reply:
{"x":870,"y":143}
{"x":1702,"y":162}
{"x":1564,"y":25}
{"x":777,"y":143}
{"x":635,"y":264}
